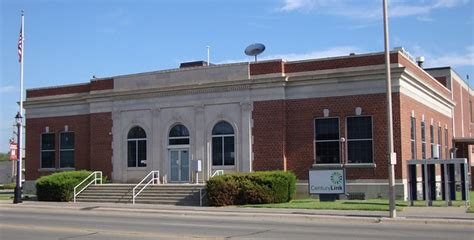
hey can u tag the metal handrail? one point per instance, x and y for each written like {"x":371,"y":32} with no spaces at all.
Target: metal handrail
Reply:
{"x":155,"y":179}
{"x":217,"y":173}
{"x":97,"y":176}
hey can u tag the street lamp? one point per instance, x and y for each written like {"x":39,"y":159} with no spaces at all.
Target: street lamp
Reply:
{"x":390,"y":153}
{"x":17,"y":198}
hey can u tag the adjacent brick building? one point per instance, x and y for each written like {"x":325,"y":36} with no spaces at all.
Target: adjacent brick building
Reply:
{"x":255,"y":116}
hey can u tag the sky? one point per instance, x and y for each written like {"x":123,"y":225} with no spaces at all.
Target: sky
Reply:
{"x":67,"y":41}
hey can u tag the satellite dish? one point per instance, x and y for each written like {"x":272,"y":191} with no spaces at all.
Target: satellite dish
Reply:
{"x":254,"y":50}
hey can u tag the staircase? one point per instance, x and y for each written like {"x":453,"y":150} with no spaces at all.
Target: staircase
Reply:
{"x":176,"y":194}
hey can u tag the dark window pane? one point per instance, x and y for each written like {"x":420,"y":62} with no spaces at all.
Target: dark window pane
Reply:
{"x":359,"y":151}
{"x":136,"y":132}
{"x":359,"y":127}
{"x":327,"y":129}
{"x":66,"y":159}
{"x":229,"y":151}
{"x":67,"y":140}
{"x":423,"y":135}
{"x":327,"y":152}
{"x":47,"y":159}
{"x":180,"y":141}
{"x":222,"y":128}
{"x":413,"y":128}
{"x":423,"y":150}
{"x":132,"y":154}
{"x":47,"y":141}
{"x":413,"y":150}
{"x":217,"y":151}
{"x":179,"y":131}
{"x":142,"y":153}
{"x":431,"y":134}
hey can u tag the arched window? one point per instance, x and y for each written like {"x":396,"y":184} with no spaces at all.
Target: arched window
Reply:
{"x":136,"y":140}
{"x":223,"y":153}
{"x":179,"y":135}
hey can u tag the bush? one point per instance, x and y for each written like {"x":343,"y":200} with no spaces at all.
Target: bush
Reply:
{"x":251,"y":188}
{"x":8,"y":186}
{"x":59,"y":186}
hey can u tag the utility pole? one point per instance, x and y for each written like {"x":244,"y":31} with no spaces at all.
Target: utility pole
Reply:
{"x":391,"y":154}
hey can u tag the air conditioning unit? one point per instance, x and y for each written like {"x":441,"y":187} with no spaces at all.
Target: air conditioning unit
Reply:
{"x":436,"y":151}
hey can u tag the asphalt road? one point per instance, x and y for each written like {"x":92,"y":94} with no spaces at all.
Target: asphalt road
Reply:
{"x":36,"y":223}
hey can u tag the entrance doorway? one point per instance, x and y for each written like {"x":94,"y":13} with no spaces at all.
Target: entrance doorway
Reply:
{"x":179,"y":165}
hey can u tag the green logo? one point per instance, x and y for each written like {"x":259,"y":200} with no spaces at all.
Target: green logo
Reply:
{"x":336,"y":178}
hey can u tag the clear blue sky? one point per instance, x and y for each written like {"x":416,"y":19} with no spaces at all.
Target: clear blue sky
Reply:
{"x":69,"y":41}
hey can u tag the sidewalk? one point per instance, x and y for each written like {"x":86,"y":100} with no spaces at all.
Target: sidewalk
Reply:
{"x":419,"y":215}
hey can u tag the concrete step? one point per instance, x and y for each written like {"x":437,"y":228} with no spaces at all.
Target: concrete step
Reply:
{"x":152,"y":194}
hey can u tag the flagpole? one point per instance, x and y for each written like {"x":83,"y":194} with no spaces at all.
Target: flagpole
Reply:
{"x":19,"y":117}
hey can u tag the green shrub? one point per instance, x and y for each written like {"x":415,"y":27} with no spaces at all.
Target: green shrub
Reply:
{"x":8,"y":186}
{"x":59,"y":186}
{"x":251,"y":188}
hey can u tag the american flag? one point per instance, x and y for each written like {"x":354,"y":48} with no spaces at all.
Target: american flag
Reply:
{"x":20,"y":45}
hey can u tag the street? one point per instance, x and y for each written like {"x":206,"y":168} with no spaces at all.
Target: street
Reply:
{"x":27,"y":222}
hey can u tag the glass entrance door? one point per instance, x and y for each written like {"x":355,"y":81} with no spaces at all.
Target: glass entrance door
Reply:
{"x":179,"y":159}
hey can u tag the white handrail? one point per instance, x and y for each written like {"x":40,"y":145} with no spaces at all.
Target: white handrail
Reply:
{"x":155,"y":179}
{"x":97,"y":176}
{"x":217,"y":173}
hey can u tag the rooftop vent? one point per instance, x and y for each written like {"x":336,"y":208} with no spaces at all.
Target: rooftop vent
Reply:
{"x":194,"y":64}
{"x":420,"y":60}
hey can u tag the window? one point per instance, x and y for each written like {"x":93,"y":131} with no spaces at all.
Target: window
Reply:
{"x":423,"y":140}
{"x":446,"y":143}
{"x":48,"y":153}
{"x":136,"y":140}
{"x":66,"y":150}
{"x":413,"y":137}
{"x":179,"y":135}
{"x":327,"y":140}
{"x":223,"y":153}
{"x":432,"y":140}
{"x":359,"y":139}
{"x":440,"y":148}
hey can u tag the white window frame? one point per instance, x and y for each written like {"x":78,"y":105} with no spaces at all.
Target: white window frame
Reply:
{"x":61,"y":150}
{"x":346,"y":144}
{"x":41,"y":151}
{"x":316,"y":141}
{"x":432,"y":140}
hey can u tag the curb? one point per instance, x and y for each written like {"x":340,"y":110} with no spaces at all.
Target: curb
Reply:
{"x":263,"y":215}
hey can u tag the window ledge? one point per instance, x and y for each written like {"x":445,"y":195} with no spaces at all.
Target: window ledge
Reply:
{"x":55,"y":169}
{"x":361,"y":165}
{"x":136,"y":168}
{"x":47,"y":169}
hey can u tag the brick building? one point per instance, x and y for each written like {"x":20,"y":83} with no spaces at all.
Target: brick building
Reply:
{"x":245,"y":117}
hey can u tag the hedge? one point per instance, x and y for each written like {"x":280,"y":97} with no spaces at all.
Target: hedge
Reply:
{"x":251,"y":188}
{"x":59,"y":186}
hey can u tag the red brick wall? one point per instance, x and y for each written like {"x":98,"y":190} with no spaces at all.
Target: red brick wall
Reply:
{"x":300,"y":114}
{"x":457,"y":109}
{"x":81,"y":88}
{"x":407,"y":105}
{"x":442,"y":80}
{"x":102,"y":84}
{"x":343,"y":62}
{"x":269,"y":135}
{"x":101,"y":143}
{"x":92,"y":152}
{"x":58,"y":90}
{"x":259,"y":68}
